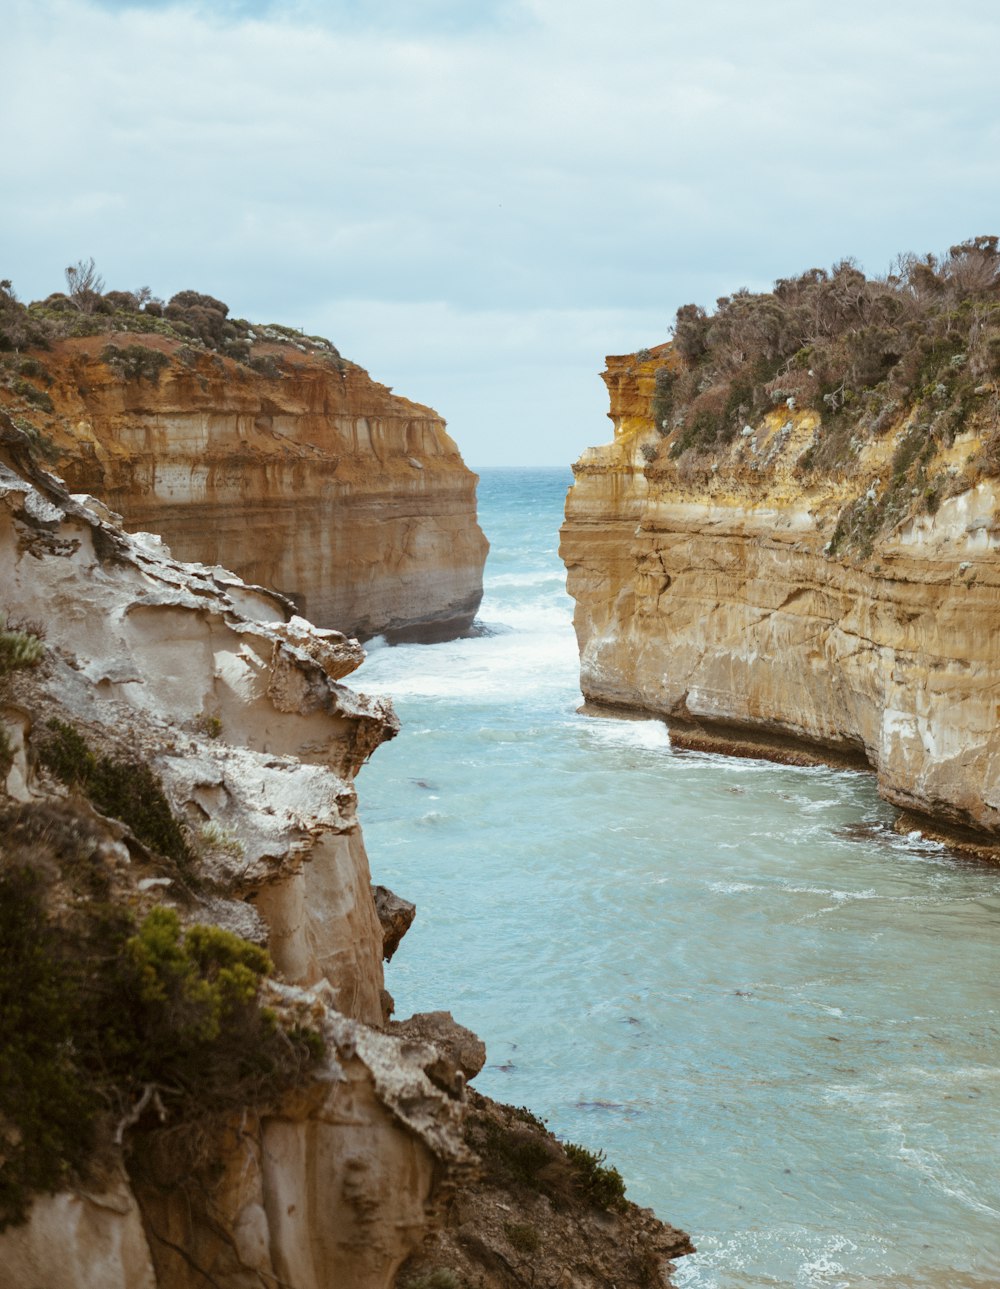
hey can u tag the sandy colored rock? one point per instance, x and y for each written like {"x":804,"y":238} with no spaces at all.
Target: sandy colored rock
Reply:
{"x":312,"y":479}
{"x":396,"y":917}
{"x":459,"y":1054}
{"x":79,"y":1240}
{"x":707,"y":593}
{"x":239,"y":716}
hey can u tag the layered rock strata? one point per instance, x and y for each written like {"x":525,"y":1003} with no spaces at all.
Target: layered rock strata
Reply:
{"x":241,"y":715}
{"x":298,"y":472}
{"x":714,"y":592}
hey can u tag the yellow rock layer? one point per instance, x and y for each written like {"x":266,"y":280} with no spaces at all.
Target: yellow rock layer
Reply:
{"x":707,"y":593}
{"x":314,"y":480}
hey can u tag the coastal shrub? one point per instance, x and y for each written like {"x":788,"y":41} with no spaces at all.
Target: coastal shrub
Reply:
{"x":662,"y":406}
{"x":222,"y":841}
{"x":266,"y":365}
{"x":523,"y":1236}
{"x":439,"y":1278}
{"x":517,"y":1150}
{"x":19,"y":649}
{"x":125,"y":789}
{"x":191,"y":317}
{"x":594,"y":1179}
{"x":85,"y":285}
{"x":109,"y":1026}
{"x":839,"y":343}
{"x":47,"y":1112}
{"x":135,"y":362}
{"x":39,"y":398}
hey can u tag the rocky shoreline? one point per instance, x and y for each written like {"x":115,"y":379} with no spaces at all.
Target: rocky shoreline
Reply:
{"x":226,"y":1098}
{"x":710,"y":592}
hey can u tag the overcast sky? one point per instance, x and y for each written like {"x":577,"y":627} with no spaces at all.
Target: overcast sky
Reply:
{"x":477,"y":200}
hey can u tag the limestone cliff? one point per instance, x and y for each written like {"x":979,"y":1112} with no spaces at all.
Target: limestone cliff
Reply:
{"x":178,"y":1108}
{"x":798,"y":582}
{"x":291,"y":466}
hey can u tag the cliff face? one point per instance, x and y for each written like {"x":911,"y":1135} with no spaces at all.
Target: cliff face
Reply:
{"x":245,"y":745}
{"x":294,"y":469}
{"x":761,"y":606}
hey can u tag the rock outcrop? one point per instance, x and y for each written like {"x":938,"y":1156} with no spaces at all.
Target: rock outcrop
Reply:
{"x":292,"y":467}
{"x":762,"y":605}
{"x":213,"y":785}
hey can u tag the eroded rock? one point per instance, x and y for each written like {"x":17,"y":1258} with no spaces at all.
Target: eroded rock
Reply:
{"x":396,"y":917}
{"x":298,"y":474}
{"x":709,"y":594}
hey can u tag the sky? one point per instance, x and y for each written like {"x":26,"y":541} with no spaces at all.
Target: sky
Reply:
{"x":477,"y":200}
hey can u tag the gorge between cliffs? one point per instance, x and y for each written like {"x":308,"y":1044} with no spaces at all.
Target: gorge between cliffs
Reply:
{"x":774,"y":1011}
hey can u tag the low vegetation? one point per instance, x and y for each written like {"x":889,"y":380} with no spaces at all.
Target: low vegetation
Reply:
{"x":110,"y":1024}
{"x":518,"y":1150}
{"x":19,"y":650}
{"x":916,"y":352}
{"x":199,"y":321}
{"x":924,"y":337}
{"x":126,"y":789}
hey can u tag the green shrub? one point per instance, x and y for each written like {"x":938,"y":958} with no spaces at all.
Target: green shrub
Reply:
{"x":595,"y":1180}
{"x":124,"y":789}
{"x":135,"y":362}
{"x":519,"y":1151}
{"x":523,"y":1236}
{"x":19,"y":649}
{"x":98,"y":1014}
{"x":439,"y":1278}
{"x":47,"y":1112}
{"x":31,"y":394}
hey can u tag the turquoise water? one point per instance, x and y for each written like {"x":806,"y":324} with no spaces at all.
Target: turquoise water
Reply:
{"x":779,"y":1019}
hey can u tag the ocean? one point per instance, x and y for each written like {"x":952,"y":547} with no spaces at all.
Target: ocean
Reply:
{"x":780,"y":1019}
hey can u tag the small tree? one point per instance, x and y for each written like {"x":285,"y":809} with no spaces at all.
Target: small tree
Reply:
{"x":85,"y":284}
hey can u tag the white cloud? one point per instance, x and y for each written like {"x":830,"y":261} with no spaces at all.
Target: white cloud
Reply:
{"x":553,"y":159}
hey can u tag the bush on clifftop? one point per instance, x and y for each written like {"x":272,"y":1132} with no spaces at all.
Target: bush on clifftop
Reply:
{"x":852,"y":348}
{"x":108,"y":1024}
{"x":193,"y":317}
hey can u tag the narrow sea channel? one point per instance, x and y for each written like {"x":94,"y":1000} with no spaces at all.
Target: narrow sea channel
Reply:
{"x":779,"y":1019}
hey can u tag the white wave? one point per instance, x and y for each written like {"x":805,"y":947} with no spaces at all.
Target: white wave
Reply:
{"x":834,"y":894}
{"x":929,"y":1164}
{"x":547,"y":578}
{"x":645,"y":734}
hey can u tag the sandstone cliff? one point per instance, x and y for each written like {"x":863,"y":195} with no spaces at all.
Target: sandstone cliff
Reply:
{"x":763,"y":604}
{"x":290,"y":466}
{"x":201,"y":1085}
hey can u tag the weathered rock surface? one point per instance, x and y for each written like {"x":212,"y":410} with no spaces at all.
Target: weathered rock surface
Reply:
{"x":242,"y":716}
{"x":256,"y":746}
{"x":396,"y":917}
{"x":303,"y":475}
{"x":708,"y":594}
{"x":525,"y":1224}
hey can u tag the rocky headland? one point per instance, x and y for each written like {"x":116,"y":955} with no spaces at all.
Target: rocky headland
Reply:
{"x":254,"y":447}
{"x":790,"y":548}
{"x":202,"y":1080}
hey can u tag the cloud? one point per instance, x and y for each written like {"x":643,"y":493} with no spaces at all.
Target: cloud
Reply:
{"x":546,"y":159}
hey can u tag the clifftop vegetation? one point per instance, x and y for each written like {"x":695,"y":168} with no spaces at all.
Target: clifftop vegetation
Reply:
{"x":859,"y":351}
{"x":196,"y":320}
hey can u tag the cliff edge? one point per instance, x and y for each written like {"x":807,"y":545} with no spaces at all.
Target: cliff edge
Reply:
{"x":791,"y":546}
{"x":254,"y":447}
{"x":200,"y":1080}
